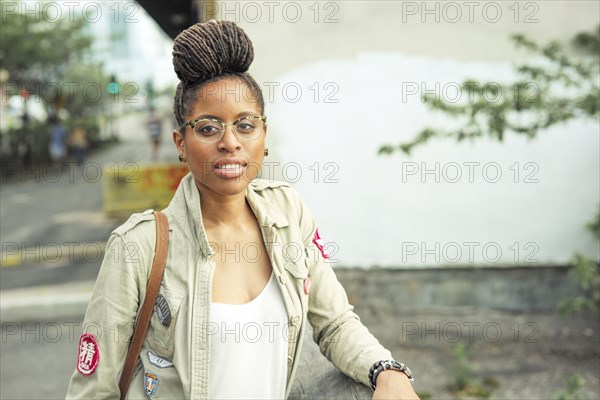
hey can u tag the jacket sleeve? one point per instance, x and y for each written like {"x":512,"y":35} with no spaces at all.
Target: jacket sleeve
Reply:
{"x":110,"y":316}
{"x":338,"y":331}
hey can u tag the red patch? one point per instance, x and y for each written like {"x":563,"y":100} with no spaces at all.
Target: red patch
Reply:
{"x":307,"y":285}
{"x":89,"y":354}
{"x":320,"y":243}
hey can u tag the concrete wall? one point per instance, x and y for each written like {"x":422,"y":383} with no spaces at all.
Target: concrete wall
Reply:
{"x":290,"y":34}
{"x":383,"y":291}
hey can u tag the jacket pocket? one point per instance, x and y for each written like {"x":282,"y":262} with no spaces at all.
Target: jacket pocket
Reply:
{"x":298,"y":269}
{"x":299,"y":274}
{"x":160,"y":336}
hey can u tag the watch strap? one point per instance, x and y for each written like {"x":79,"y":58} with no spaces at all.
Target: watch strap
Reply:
{"x":383,"y":365}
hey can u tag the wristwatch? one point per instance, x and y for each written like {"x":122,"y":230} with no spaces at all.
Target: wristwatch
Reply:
{"x":383,"y":365}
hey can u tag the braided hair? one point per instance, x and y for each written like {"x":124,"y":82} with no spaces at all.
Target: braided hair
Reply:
{"x":207,"y":52}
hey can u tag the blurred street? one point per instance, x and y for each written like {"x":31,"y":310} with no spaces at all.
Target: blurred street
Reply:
{"x":51,"y":254}
{"x":63,"y":240}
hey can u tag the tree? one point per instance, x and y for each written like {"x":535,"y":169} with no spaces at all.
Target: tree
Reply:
{"x":586,"y":273}
{"x":555,"y":90}
{"x":40,"y":54}
{"x":49,"y":57}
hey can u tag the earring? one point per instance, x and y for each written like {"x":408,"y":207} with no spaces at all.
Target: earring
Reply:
{"x":266,"y":152}
{"x":181,"y":158}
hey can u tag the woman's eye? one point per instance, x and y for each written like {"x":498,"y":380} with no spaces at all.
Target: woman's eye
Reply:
{"x":245,"y":127}
{"x":207,"y":130}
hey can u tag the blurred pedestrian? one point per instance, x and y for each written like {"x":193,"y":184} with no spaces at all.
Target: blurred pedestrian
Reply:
{"x":155,"y":131}
{"x":79,"y":144}
{"x":58,"y":140}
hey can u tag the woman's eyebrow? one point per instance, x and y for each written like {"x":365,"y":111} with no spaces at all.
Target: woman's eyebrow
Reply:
{"x":245,"y":114}
{"x":239,"y":115}
{"x":208,"y":116}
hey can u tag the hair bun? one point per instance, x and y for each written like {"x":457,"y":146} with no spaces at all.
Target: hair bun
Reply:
{"x":209,"y":49}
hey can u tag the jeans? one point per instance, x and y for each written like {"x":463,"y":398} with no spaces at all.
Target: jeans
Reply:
{"x":317,"y":378}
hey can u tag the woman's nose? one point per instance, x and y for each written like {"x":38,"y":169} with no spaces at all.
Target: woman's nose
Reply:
{"x":229,"y":142}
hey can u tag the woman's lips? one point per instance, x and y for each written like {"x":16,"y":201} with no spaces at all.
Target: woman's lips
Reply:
{"x":229,"y":171}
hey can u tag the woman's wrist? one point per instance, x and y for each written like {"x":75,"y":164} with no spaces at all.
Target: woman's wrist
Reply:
{"x":388,"y":365}
{"x":393,"y":384}
{"x":392,"y":377}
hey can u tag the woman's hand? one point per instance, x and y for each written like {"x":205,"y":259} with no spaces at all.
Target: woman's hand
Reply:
{"x":394,"y":385}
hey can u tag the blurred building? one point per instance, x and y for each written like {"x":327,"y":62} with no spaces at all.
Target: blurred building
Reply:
{"x":129,"y":43}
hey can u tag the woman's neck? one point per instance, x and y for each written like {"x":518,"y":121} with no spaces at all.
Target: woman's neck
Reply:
{"x":222,"y":211}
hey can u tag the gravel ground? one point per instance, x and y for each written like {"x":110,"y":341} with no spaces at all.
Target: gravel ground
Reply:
{"x":528,"y":354}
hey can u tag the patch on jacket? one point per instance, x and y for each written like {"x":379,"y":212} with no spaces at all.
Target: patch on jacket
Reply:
{"x":307,"y":285}
{"x":159,"y":361}
{"x":89,"y":354}
{"x":163,"y":312}
{"x":150,"y":383}
{"x":320,"y":243}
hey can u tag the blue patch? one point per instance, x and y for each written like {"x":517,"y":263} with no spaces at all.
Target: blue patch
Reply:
{"x":150,"y":383}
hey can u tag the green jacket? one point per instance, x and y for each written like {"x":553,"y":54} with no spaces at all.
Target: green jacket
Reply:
{"x":288,"y":230}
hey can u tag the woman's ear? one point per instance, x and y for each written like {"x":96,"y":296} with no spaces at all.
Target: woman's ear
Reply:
{"x":177,"y":138}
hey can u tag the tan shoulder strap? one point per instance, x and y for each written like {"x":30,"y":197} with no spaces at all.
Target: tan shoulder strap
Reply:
{"x":143,"y":320}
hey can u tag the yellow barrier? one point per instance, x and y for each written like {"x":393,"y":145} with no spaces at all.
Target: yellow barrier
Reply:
{"x":134,"y":187}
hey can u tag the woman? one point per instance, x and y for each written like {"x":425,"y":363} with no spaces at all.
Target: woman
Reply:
{"x":246,"y":267}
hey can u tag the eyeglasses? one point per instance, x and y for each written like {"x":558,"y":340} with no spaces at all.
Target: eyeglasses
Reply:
{"x":210,"y":130}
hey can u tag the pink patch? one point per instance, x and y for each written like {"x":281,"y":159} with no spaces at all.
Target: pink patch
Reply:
{"x":320,"y":243}
{"x":307,"y":285}
{"x":89,"y":354}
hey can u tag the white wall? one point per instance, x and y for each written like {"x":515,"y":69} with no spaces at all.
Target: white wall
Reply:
{"x":374,"y":215}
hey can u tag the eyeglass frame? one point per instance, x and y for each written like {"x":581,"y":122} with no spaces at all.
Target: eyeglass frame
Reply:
{"x":193,"y":122}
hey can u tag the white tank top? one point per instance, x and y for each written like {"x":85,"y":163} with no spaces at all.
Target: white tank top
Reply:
{"x":249,"y":343}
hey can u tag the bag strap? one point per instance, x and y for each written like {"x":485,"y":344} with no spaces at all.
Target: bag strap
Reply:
{"x":143,"y":320}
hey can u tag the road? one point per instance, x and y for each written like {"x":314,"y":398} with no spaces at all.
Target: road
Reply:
{"x":38,"y":358}
{"x":53,"y":232}
{"x":53,"y":229}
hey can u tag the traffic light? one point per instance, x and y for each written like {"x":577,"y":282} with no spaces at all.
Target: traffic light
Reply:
{"x":113,"y":85}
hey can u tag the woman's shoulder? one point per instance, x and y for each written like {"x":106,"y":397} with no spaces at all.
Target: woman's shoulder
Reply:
{"x":138,"y":225}
{"x":285,"y":198}
{"x":276,"y":191}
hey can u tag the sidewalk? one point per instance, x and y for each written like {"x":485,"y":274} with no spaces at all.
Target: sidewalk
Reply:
{"x":45,"y":302}
{"x":72,"y":205}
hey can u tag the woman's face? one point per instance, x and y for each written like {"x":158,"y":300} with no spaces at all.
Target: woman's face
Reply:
{"x":227,"y":166}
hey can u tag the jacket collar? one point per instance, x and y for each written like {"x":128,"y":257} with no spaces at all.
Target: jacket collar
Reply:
{"x":267,"y":212}
{"x":185,"y":211}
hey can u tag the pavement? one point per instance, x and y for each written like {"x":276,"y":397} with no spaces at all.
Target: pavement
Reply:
{"x":53,"y":234}
{"x":53,"y":227}
{"x":51,"y":251}
{"x":45,"y":302}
